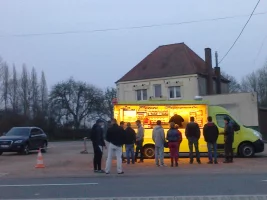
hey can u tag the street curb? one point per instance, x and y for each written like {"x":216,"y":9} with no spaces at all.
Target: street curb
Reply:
{"x":221,"y":197}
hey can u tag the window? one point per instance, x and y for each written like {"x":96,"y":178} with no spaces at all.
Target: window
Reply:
{"x":175,"y":92}
{"x":157,"y":90}
{"x":35,"y":131}
{"x":18,"y":132}
{"x":141,"y":95}
{"x":220,"y":120}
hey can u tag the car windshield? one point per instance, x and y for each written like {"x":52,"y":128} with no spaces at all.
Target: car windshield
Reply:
{"x":18,"y":132}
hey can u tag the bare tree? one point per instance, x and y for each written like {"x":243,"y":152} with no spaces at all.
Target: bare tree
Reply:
{"x":13,"y":90}
{"x":234,"y":85}
{"x":43,"y":94}
{"x":109,"y":95}
{"x":76,"y":100}
{"x":34,"y":93}
{"x":5,"y":84}
{"x":24,"y":90}
{"x":257,"y":82}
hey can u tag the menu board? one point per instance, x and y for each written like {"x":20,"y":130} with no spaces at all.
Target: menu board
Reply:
{"x":150,"y":114}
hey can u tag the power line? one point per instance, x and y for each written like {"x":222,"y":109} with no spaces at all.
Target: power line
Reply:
{"x":262,"y":43}
{"x":127,"y":28}
{"x":240,"y":32}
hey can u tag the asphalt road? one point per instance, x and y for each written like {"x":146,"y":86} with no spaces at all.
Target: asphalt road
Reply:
{"x":129,"y":186}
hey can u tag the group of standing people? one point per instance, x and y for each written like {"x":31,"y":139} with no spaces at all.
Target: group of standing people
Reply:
{"x":174,"y":138}
{"x":192,"y":133}
{"x":117,"y":136}
{"x":211,"y":133}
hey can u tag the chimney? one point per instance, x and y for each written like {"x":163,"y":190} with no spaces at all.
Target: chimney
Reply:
{"x":208,"y":63}
{"x":218,"y":75}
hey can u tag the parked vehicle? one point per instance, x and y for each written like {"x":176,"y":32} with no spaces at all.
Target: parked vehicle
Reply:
{"x":247,"y":141}
{"x":23,"y":140}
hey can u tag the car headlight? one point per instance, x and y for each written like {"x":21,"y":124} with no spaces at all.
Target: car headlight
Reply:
{"x":258,"y":134}
{"x":18,"y":141}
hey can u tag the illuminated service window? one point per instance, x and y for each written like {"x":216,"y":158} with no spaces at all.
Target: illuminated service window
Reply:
{"x":157,"y":90}
{"x":175,"y":92}
{"x":141,"y":95}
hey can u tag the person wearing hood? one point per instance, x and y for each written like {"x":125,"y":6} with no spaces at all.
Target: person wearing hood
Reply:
{"x":228,"y":140}
{"x":158,"y":137}
{"x":174,"y":139}
{"x":211,"y":133}
{"x":97,"y":138}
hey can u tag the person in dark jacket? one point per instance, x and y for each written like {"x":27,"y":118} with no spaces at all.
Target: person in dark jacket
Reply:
{"x":228,"y":140}
{"x":211,"y":134}
{"x":122,"y":124}
{"x":97,"y":138}
{"x":173,"y":137}
{"x":116,"y":138}
{"x":129,"y":143}
{"x":192,"y":133}
{"x":177,"y":119}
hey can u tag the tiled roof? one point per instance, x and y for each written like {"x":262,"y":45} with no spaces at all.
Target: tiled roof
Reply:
{"x":166,"y":61}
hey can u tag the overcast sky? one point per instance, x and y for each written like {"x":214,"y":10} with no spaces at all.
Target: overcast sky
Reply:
{"x":101,"y":58}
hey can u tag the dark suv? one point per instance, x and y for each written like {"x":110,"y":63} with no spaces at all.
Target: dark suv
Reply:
{"x":23,"y":140}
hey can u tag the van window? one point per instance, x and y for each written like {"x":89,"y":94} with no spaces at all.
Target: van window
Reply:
{"x":220,"y":120}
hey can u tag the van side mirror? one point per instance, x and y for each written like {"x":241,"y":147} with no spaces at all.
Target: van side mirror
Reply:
{"x":236,"y":127}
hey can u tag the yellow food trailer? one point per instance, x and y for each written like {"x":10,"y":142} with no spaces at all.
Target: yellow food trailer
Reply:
{"x":247,"y":141}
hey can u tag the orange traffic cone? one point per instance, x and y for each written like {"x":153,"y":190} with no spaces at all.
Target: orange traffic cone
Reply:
{"x":40,"y":161}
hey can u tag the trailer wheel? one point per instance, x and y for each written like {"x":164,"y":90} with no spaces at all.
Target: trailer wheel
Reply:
{"x":149,"y":151}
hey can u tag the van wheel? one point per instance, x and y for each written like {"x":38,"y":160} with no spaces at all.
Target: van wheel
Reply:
{"x":246,"y":150}
{"x":1,"y":153}
{"x":149,"y":151}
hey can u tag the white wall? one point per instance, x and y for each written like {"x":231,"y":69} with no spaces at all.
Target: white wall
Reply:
{"x":189,"y":87}
{"x":243,"y":106}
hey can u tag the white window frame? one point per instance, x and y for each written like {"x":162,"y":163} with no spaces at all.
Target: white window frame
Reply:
{"x":157,"y":85}
{"x":142,"y":95}
{"x":175,"y":88}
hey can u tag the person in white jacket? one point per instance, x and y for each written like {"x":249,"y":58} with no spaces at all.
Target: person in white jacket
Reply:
{"x":158,"y":137}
